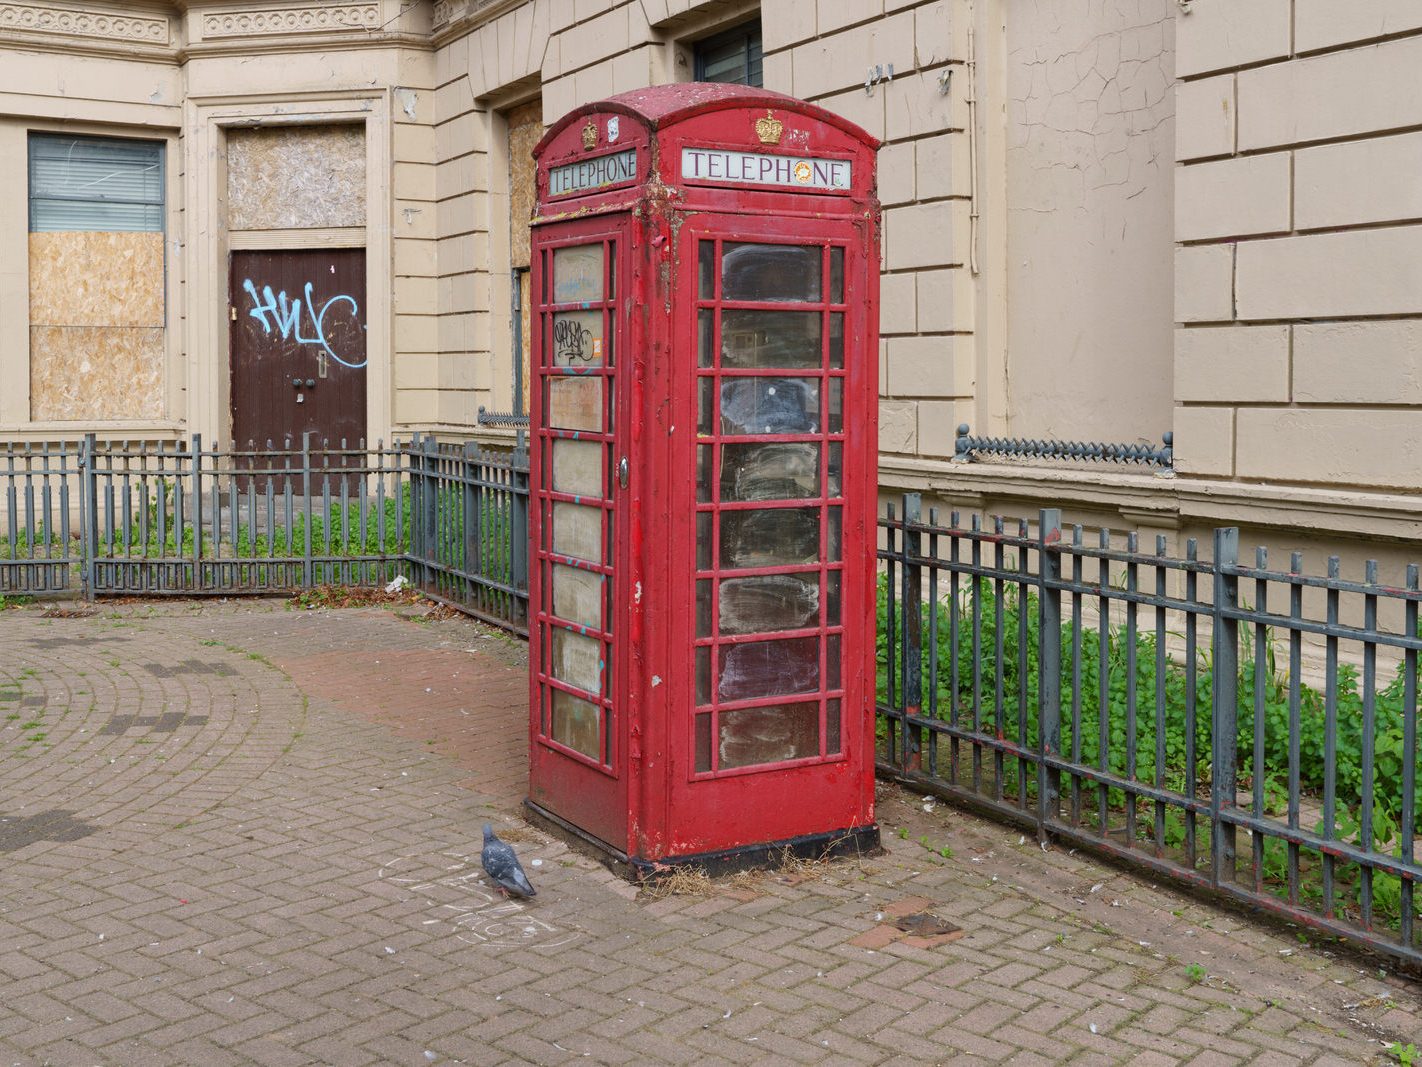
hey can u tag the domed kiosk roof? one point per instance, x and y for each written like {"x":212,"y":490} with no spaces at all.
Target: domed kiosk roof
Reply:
{"x":659,"y":106}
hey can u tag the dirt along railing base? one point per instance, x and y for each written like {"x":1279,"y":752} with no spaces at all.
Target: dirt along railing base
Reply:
{"x":1137,"y":704}
{"x":175,"y":518}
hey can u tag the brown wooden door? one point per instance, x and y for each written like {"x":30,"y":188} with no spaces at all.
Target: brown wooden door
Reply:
{"x":298,"y":347}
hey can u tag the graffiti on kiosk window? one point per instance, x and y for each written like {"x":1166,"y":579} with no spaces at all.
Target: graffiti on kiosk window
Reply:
{"x":303,"y":321}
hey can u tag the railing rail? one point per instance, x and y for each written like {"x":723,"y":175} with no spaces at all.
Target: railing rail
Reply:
{"x":1156,"y":708}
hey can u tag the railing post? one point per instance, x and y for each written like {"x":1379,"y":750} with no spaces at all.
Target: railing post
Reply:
{"x":1049,"y":665}
{"x":519,"y":530}
{"x":414,"y":452}
{"x":306,"y":493}
{"x":912,"y":600}
{"x":474,"y":562}
{"x":198,"y":584}
{"x":88,"y":515}
{"x":429,"y":517}
{"x":1224,"y":696}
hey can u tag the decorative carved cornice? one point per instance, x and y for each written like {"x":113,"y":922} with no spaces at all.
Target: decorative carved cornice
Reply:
{"x":69,"y":21}
{"x":444,"y":10}
{"x":462,"y":15}
{"x":327,"y":18}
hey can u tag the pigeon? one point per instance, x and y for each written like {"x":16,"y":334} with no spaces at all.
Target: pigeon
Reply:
{"x":503,"y":867}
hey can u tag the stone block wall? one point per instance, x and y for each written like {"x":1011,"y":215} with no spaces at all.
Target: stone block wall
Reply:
{"x":1298,"y":351}
{"x":571,"y":52}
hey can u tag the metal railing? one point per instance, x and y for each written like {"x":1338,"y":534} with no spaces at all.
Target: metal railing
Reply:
{"x":39,"y":552}
{"x":469,"y":544}
{"x":1139,"y":704}
{"x":179,"y":519}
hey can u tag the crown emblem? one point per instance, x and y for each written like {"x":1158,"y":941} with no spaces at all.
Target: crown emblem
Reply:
{"x":590,"y":135}
{"x":769,"y":128}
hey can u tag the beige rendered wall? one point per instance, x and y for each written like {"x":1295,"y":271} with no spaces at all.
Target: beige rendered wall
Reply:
{"x":1299,"y":226}
{"x":107,"y":70}
{"x":1089,"y":205}
{"x":490,"y":58}
{"x":188,"y":74}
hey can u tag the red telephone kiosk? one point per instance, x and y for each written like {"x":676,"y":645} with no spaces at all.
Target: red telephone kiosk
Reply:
{"x":704,"y":433}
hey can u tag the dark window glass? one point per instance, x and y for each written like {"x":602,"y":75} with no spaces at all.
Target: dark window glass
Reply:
{"x":733,"y":56}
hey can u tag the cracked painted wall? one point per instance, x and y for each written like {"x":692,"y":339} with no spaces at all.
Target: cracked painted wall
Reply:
{"x":1090,"y":144}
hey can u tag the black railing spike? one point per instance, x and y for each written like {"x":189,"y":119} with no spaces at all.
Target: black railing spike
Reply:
{"x":966,"y":446}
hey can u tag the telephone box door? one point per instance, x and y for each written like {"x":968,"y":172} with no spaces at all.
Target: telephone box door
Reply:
{"x":577,"y":588}
{"x":773,"y":339}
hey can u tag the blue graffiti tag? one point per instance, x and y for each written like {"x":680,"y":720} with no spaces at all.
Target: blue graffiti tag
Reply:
{"x":286,"y":317}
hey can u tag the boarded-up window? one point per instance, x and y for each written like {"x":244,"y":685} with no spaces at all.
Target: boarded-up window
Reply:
{"x":296,"y":177}
{"x":525,"y":125}
{"x":96,"y":278}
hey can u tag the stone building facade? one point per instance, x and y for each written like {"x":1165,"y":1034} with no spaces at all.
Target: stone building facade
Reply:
{"x":1102,"y":221}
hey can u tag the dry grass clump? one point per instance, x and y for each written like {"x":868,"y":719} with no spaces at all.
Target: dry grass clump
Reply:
{"x":679,"y":882}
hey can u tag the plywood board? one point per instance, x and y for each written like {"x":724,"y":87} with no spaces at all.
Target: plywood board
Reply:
{"x":95,"y":372}
{"x":96,"y":278}
{"x":296,"y":177}
{"x":525,"y":124}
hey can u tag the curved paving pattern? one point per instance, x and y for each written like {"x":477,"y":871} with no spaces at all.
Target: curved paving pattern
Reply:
{"x":236,"y":833}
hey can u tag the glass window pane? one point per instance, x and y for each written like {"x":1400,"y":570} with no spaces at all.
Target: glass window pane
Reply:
{"x":771,"y":471}
{"x":704,"y":457}
{"x":577,"y":531}
{"x":705,"y":406}
{"x":577,"y":339}
{"x":705,"y":338}
{"x":703,"y":607}
{"x":837,"y":275}
{"x":733,"y":56}
{"x":832,"y":583}
{"x":578,"y":274}
{"x":832,"y":550}
{"x":768,"y":669}
{"x":777,"y":273}
{"x":770,"y":405}
{"x":770,"y":339}
{"x":577,"y":468}
{"x":575,"y":723}
{"x":577,"y":595}
{"x":703,"y":675}
{"x":575,"y":403}
{"x":703,"y":743}
{"x":832,"y":727}
{"x":832,"y":646}
{"x":770,"y":734}
{"x":836,"y":405}
{"x":703,"y":540}
{"x":836,"y":340}
{"x":836,"y":470}
{"x":770,"y":537}
{"x":95,"y":183}
{"x":706,"y":269}
{"x":769,"y":602}
{"x":577,"y":660}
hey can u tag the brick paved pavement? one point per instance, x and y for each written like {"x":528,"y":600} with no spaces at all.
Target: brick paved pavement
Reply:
{"x":238,"y":833}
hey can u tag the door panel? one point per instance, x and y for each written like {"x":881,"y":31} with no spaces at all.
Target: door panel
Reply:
{"x":579,"y":500}
{"x":298,"y":347}
{"x":779,"y":640}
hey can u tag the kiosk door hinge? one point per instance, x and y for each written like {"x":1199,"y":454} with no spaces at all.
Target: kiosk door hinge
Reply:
{"x":622,"y":472}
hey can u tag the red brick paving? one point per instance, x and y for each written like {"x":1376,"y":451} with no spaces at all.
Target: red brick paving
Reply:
{"x":286,"y":873}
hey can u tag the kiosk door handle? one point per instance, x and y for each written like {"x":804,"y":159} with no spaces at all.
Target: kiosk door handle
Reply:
{"x":622,"y":472}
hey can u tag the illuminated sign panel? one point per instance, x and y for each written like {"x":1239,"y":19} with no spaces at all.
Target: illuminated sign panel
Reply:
{"x":757,"y":168}
{"x":600,"y":172}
